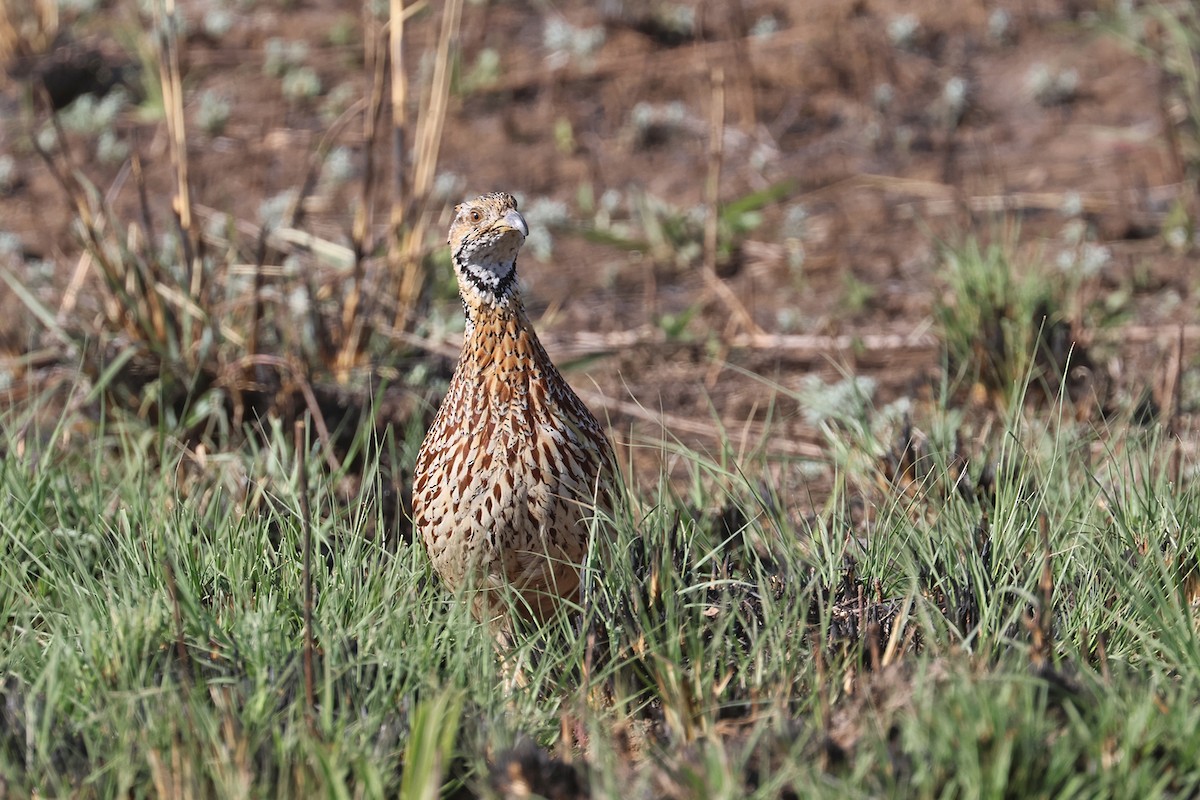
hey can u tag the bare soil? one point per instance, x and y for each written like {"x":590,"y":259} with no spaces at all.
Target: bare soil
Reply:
{"x":863,"y":129}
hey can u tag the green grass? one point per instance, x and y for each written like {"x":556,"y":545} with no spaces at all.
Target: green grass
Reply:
{"x":153,"y":632}
{"x":1000,"y":317}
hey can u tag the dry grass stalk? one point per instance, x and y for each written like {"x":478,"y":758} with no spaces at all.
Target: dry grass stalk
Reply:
{"x":83,"y":266}
{"x":27,"y":28}
{"x":399,"y":111}
{"x":354,"y":318}
{"x":289,"y":237}
{"x":1040,"y":618}
{"x":433,"y":115}
{"x":171,"y":79}
{"x":301,"y":445}
{"x":407,"y":249}
{"x":716,"y":153}
{"x":376,"y":63}
{"x":1173,"y":401}
{"x":803,"y":443}
{"x":353,"y":322}
{"x":130,"y":286}
{"x":152,"y":309}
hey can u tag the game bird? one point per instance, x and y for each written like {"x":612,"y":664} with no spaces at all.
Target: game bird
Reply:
{"x":513,"y":470}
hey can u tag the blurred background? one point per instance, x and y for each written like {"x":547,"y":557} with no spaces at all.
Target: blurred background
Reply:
{"x":745,"y":216}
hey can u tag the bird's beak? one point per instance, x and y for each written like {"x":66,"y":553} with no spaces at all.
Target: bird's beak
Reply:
{"x":513,"y":220}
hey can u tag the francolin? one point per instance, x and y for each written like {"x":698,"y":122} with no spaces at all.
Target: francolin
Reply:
{"x":514,"y":467}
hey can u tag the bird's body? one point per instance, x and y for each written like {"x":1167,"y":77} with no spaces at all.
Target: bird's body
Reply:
{"x":514,"y":466}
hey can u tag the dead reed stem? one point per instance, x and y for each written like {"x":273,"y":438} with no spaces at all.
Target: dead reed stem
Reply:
{"x":360,"y":235}
{"x":353,"y":322}
{"x":400,"y":201}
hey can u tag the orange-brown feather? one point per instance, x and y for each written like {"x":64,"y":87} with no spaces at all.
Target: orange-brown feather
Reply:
{"x":514,"y":465}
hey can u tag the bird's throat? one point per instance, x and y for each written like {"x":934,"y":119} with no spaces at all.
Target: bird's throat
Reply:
{"x":489,"y":293}
{"x":490,"y":278}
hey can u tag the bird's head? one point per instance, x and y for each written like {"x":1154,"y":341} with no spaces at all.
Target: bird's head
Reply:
{"x":484,"y":239}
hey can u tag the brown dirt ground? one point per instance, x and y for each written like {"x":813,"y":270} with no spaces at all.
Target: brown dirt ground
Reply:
{"x":881,"y":184}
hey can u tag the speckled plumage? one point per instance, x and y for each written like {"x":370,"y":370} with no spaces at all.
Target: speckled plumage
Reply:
{"x":514,"y":465}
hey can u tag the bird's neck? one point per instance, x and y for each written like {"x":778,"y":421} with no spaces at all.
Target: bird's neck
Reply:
{"x":497,"y":327}
{"x":487,"y":308}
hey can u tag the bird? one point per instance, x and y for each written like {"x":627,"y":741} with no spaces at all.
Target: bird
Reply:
{"x":515,"y":475}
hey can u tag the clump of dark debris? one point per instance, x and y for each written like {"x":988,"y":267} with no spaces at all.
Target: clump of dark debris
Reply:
{"x":529,"y":771}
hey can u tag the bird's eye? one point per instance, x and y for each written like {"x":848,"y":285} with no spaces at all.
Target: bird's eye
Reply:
{"x":476,"y":216}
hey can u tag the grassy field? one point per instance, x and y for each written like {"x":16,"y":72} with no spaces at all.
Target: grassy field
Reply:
{"x":1031,"y":635}
{"x":912,"y":500}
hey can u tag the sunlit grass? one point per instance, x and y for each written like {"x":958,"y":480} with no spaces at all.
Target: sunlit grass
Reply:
{"x":153,"y":638}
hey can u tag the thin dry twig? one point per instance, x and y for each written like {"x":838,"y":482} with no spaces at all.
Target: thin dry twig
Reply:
{"x":716,"y":151}
{"x":301,"y":445}
{"x":289,"y":234}
{"x":750,"y":435}
{"x":935,"y":198}
{"x":295,"y":212}
{"x":794,"y":346}
{"x":376,"y":62}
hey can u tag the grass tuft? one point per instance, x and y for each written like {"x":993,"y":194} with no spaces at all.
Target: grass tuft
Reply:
{"x":1008,"y":326}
